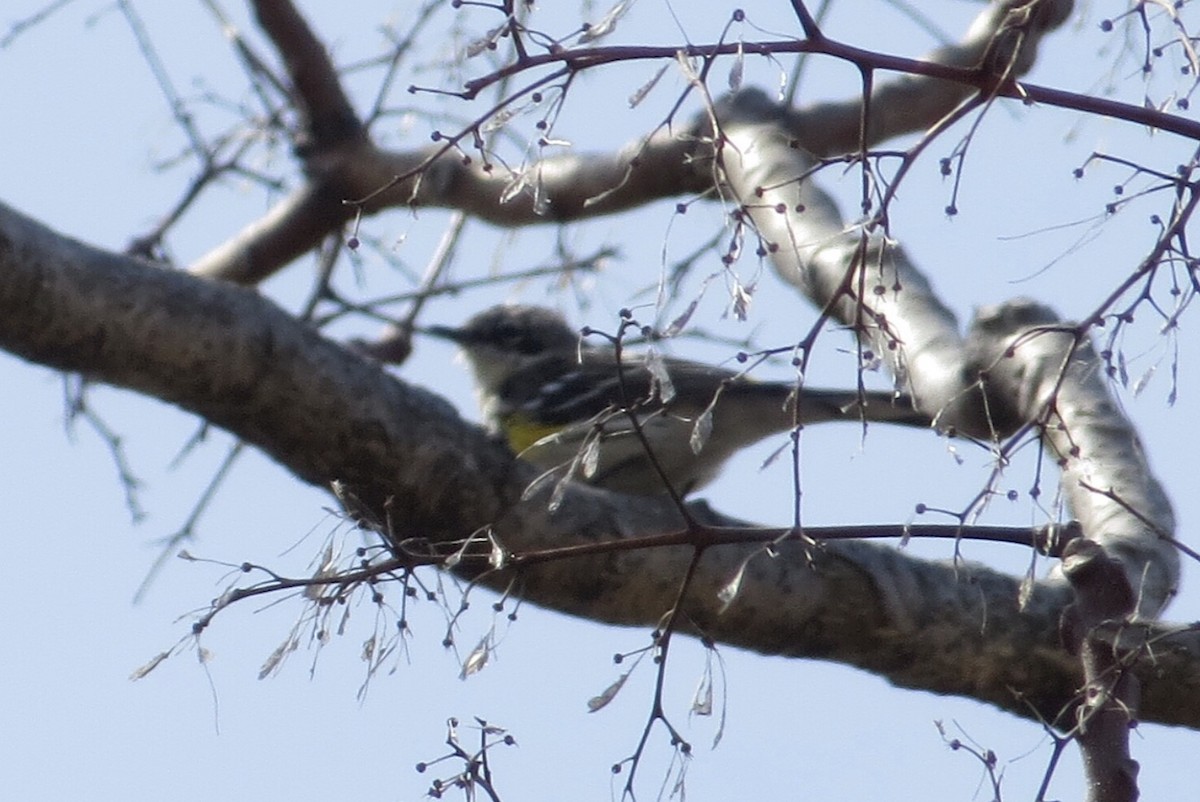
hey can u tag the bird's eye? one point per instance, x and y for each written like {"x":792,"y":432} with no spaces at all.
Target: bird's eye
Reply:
{"x":526,"y":342}
{"x":507,"y":333}
{"x":513,"y":338}
{"x":530,"y":344}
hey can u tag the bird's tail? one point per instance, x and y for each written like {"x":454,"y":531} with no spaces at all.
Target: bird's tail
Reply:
{"x":821,"y":405}
{"x":870,"y":405}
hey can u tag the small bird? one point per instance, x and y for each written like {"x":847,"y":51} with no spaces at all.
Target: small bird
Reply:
{"x":565,"y":405}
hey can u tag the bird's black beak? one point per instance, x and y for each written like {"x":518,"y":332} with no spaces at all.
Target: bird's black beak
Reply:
{"x":445,"y":333}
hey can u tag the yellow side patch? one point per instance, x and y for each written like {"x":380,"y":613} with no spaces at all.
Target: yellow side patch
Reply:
{"x":522,"y":433}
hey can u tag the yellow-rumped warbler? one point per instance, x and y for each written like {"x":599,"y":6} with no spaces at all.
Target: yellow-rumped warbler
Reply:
{"x":563,"y":404}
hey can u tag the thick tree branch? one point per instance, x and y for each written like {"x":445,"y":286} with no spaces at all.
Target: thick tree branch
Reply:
{"x":1111,"y":694}
{"x":1051,"y":372}
{"x":327,"y":116}
{"x":1029,"y":368}
{"x":1003,"y":41}
{"x":328,"y":414}
{"x":342,"y":165}
{"x":864,"y":282}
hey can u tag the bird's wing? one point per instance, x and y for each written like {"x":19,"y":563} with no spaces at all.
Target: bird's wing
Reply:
{"x":578,"y":391}
{"x":589,"y":387}
{"x":593,"y":384}
{"x":768,"y":400}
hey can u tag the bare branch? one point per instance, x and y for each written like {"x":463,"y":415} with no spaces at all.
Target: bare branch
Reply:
{"x":328,"y":414}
